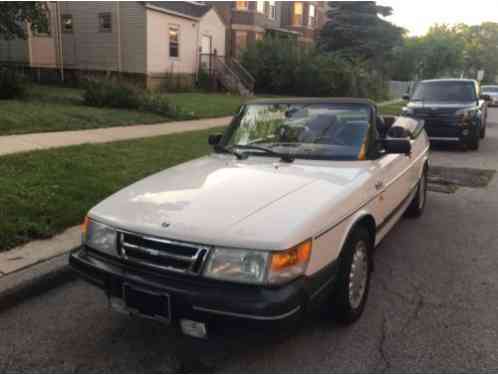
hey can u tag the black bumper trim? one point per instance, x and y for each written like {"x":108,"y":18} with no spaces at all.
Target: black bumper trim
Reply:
{"x":248,"y":316}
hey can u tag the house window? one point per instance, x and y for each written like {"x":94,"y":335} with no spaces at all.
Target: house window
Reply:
{"x":260,"y":7}
{"x":105,"y":22}
{"x":240,"y":42}
{"x":174,"y":42}
{"x":297,"y":14}
{"x":67,"y":23}
{"x":242,"y":5}
{"x":311,"y":15}
{"x":273,"y":10}
{"x":259,"y":36}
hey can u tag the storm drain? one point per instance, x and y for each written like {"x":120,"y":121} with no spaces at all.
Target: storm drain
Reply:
{"x":448,"y":180}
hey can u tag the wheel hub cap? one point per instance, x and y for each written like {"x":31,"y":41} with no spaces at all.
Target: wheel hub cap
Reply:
{"x":358,"y":275}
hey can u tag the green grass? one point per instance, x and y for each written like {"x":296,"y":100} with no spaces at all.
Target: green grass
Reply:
{"x":51,"y":108}
{"x":44,"y":192}
{"x":204,"y":105}
{"x":392,"y":109}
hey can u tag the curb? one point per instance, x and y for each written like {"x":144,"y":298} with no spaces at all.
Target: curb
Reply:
{"x":34,"y":280}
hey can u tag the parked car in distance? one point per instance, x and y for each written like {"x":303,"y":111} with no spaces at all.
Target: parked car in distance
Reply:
{"x":492,"y":92}
{"x":453,"y":110}
{"x":283,"y":216}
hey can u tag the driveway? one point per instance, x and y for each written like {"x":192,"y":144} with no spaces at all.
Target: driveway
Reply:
{"x":433,"y":307}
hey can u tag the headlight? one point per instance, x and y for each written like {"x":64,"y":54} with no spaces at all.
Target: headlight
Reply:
{"x":99,"y":237}
{"x":406,"y":111}
{"x":258,"y":267}
{"x":466,"y":114}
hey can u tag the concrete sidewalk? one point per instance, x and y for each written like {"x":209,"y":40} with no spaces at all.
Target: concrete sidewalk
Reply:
{"x":38,"y":141}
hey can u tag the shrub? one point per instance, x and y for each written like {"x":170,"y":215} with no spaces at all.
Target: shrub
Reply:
{"x":111,"y":93}
{"x":12,"y":84}
{"x":156,"y":103}
{"x":283,"y":67}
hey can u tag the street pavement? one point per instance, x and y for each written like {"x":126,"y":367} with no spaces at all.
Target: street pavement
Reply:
{"x":433,"y":307}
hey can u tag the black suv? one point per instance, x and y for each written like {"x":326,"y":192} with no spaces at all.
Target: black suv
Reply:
{"x":452,"y":110}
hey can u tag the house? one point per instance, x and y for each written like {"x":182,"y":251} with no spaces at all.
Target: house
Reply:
{"x":249,"y":21}
{"x":153,"y":43}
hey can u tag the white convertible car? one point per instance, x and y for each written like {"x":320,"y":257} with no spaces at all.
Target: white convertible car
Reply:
{"x":282,"y":216}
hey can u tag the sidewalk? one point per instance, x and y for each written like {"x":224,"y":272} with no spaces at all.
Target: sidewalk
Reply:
{"x":39,"y":141}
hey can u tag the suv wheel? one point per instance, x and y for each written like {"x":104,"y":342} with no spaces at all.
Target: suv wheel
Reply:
{"x":473,"y":142}
{"x":353,"y":279}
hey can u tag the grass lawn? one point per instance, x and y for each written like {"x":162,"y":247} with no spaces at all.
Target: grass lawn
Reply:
{"x":51,"y":108}
{"x":392,"y":109}
{"x":45,"y":192}
{"x":208,"y":105}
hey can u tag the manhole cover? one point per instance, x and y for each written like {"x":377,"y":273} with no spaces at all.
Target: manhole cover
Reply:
{"x":448,"y":180}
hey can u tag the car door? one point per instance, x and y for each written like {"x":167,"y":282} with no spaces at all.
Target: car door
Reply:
{"x":394,"y":183}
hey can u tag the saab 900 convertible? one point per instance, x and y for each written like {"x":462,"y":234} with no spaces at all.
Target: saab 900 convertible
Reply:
{"x":282,"y":216}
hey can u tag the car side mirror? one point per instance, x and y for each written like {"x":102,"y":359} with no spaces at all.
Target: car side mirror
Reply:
{"x":406,"y":97}
{"x":397,"y":146}
{"x":214,"y":139}
{"x":485,"y":97}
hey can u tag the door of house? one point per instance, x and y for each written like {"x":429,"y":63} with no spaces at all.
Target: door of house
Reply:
{"x":206,"y":45}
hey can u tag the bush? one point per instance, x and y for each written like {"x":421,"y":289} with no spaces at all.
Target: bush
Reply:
{"x":12,"y":84}
{"x":283,"y":67}
{"x":111,"y":93}
{"x":156,"y":103}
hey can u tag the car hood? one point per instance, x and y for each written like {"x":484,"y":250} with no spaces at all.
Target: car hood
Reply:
{"x":441,"y":105}
{"x":218,"y":200}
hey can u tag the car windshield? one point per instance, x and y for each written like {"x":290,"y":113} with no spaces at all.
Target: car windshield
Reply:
{"x":309,"y":131}
{"x":492,"y":89}
{"x":449,"y":91}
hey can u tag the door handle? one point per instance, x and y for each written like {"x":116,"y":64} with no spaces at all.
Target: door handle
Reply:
{"x":379,"y":185}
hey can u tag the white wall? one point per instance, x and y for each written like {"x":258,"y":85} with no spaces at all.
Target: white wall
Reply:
{"x":89,"y":49}
{"x":212,"y":25}
{"x":158,"y":59}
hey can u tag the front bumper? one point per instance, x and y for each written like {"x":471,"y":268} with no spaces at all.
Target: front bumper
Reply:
{"x":449,"y":133}
{"x":221,"y":306}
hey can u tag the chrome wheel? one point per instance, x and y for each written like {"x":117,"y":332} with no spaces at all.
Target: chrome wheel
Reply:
{"x":358,"y":275}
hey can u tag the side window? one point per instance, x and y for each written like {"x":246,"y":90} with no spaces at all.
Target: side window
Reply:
{"x":174,"y":42}
{"x":67,"y":23}
{"x":105,"y":22}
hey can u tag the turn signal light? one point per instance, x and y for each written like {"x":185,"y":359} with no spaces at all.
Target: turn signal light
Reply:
{"x":84,"y":225}
{"x":292,"y":257}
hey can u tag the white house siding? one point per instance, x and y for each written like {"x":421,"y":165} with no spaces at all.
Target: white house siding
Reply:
{"x":133,"y":37}
{"x":158,"y":59}
{"x":211,"y":25}
{"x":87,"y":48}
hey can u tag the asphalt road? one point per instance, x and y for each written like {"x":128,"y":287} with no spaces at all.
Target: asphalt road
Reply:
{"x":433,"y":307}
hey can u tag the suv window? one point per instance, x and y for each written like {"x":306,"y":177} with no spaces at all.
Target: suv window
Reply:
{"x":445,"y":91}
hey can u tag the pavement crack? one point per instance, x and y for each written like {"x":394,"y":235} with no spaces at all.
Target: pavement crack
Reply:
{"x":381,"y":346}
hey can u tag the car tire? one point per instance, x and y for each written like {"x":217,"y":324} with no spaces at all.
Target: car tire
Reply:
{"x":473,"y":142}
{"x":353,"y":278}
{"x":417,"y":205}
{"x":483,"y":130}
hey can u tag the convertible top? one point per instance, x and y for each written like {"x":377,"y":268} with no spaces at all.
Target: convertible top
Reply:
{"x":313,"y":101}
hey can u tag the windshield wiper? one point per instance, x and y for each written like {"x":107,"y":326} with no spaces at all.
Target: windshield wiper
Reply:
{"x":288,"y":158}
{"x":230,"y":150}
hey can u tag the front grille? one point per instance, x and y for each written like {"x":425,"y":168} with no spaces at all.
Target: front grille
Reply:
{"x":444,"y":114}
{"x":162,"y":254}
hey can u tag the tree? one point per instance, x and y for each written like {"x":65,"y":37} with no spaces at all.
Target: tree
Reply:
{"x":356,"y":28}
{"x":15,"y":14}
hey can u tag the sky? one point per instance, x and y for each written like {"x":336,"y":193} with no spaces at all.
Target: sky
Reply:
{"x":418,"y":15}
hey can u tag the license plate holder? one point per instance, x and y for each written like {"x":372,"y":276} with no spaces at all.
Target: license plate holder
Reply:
{"x":147,"y":304}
